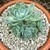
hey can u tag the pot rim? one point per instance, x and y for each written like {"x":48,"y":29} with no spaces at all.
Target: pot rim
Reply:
{"x":37,"y":5}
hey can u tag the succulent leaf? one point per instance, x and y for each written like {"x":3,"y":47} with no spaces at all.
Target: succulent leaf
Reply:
{"x":41,"y":26}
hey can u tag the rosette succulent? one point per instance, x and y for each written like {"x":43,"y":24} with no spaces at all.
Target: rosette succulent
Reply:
{"x":24,"y":21}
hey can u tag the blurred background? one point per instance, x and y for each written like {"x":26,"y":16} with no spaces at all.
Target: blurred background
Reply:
{"x":44,"y":3}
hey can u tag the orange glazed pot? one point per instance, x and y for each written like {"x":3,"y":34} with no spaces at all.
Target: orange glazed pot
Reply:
{"x":46,"y":46}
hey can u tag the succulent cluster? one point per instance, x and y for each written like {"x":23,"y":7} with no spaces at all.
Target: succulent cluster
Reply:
{"x":24,"y":21}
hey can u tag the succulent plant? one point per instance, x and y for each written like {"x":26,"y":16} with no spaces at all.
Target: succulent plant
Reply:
{"x":24,"y":21}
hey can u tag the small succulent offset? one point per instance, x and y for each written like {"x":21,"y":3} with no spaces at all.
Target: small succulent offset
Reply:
{"x":24,"y":21}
